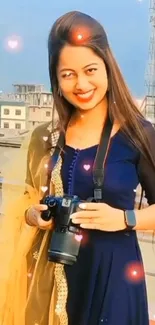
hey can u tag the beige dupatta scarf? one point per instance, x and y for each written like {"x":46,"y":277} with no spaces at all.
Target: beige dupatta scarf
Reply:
{"x":33,"y":291}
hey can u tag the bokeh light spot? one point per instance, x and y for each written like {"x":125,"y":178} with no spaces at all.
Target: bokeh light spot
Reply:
{"x":13,"y":43}
{"x":78,"y":237}
{"x":134,"y":272}
{"x":86,"y":167}
{"x":79,"y":35}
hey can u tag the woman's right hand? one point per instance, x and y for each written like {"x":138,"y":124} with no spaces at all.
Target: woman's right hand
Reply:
{"x":33,"y":217}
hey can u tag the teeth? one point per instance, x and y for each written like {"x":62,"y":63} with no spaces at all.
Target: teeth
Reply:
{"x":86,"y":95}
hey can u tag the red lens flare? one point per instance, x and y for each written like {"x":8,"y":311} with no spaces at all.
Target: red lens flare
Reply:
{"x":80,"y":35}
{"x":134,"y":272}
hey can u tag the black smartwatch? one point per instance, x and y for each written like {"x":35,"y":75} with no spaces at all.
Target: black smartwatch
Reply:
{"x":130,"y":219}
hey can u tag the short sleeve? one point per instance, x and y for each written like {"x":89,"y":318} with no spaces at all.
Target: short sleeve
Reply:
{"x":146,"y":172}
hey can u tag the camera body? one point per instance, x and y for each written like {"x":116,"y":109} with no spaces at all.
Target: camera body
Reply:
{"x":66,"y":238}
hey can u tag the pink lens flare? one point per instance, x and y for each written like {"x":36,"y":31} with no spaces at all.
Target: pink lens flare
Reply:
{"x":13,"y":43}
{"x":86,"y":167}
{"x":78,"y":237}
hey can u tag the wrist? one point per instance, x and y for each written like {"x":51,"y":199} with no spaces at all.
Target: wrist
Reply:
{"x":128,"y":220}
{"x":140,"y":220}
{"x":27,"y":218}
{"x":120,"y":216}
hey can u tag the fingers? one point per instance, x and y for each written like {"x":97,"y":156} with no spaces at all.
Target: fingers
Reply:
{"x":40,"y":207}
{"x":87,"y":221}
{"x":91,"y":206}
{"x":85,"y":215}
{"x":34,"y":216}
{"x":86,"y":218}
{"x":44,"y":224}
{"x":82,"y":220}
{"x":101,"y":227}
{"x":92,"y":226}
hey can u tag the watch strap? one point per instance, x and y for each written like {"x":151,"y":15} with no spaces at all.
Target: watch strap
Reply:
{"x":130,"y":219}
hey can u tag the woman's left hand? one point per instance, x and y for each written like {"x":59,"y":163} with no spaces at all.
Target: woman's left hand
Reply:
{"x":99,"y":216}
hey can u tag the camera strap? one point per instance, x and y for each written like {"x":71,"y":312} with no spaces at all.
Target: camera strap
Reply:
{"x":98,"y":167}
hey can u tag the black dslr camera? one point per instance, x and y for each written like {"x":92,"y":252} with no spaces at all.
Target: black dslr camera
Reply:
{"x":66,"y":237}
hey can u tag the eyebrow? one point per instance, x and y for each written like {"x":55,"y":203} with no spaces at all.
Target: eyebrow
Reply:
{"x":88,"y":65}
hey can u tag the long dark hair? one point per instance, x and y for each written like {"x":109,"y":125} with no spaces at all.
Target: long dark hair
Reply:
{"x":122,"y":107}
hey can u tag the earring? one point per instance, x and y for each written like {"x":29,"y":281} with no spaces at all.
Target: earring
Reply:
{"x":59,"y":92}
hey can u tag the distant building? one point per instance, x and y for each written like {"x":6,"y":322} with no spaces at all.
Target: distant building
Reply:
{"x":40,"y":108}
{"x":38,"y":103}
{"x":28,"y":88}
{"x":13,"y":115}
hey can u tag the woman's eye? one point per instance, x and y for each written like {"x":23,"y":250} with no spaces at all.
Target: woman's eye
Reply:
{"x":67,"y":75}
{"x":91,"y":71}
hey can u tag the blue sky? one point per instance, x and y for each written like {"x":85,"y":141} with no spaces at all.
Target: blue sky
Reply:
{"x":126,"y":22}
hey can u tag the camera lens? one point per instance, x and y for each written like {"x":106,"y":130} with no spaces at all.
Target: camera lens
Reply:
{"x":64,"y":248}
{"x":61,"y":258}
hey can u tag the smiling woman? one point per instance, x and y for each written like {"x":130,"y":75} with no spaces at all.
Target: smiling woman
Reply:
{"x":85,"y":82}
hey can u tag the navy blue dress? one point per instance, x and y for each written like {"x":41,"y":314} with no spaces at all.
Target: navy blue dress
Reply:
{"x":102,"y":288}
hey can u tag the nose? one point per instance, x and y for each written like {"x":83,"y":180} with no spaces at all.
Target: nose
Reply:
{"x":82,"y":83}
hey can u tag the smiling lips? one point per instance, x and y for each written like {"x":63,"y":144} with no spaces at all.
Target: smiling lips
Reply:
{"x":85,"y":97}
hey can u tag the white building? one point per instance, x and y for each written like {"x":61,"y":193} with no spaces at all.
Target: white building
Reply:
{"x":40,"y":108}
{"x":13,"y":115}
{"x":39,"y":103}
